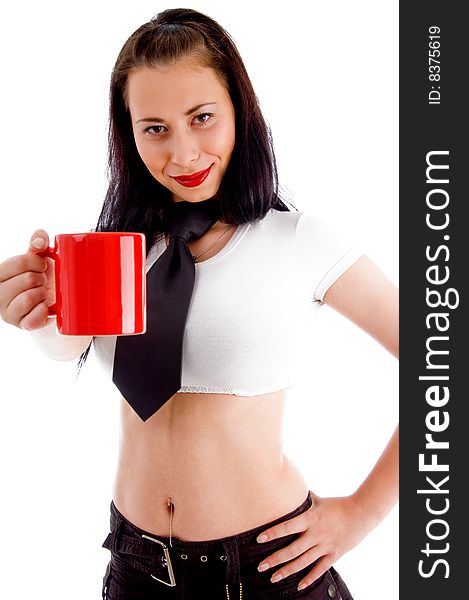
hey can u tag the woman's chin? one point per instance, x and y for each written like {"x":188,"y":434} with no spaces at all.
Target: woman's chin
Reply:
{"x":196,"y":197}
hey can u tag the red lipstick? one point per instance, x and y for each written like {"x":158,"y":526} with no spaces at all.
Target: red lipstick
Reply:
{"x":193,"y":180}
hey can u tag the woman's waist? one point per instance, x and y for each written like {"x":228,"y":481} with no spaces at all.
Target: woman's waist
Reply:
{"x":191,"y":456}
{"x":194,"y":500}
{"x":195,"y":439}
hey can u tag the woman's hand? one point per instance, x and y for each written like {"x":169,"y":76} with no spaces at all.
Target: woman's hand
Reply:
{"x":331,"y":527}
{"x":27,"y":286}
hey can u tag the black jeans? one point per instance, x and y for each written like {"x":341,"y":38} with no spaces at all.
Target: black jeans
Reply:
{"x":210,"y":569}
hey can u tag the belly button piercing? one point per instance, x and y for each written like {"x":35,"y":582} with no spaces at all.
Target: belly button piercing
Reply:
{"x":171,"y":511}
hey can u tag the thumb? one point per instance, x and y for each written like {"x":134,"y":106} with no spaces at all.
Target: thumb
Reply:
{"x":39,"y":241}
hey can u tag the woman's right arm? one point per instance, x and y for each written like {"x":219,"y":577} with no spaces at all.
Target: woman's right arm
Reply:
{"x":27,"y":288}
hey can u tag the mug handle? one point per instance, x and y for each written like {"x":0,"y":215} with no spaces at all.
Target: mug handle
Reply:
{"x":49,"y":253}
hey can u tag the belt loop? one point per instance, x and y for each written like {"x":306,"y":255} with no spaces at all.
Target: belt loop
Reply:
{"x":233,"y":574}
{"x":115,"y":535}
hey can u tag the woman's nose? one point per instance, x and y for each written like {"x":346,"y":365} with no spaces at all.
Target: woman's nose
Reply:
{"x":184,"y":149}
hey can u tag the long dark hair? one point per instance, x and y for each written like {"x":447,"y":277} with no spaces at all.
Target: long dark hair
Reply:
{"x":135,"y":200}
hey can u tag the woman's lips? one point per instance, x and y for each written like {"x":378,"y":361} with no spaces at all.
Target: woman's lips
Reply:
{"x":193,"y":180}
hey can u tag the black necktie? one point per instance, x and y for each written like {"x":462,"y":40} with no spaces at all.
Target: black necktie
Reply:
{"x":147,"y":367}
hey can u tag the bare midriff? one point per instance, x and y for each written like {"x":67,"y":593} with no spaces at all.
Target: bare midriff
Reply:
{"x":219,"y":459}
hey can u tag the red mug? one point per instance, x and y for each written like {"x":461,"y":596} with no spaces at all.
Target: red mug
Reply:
{"x":100,"y":283}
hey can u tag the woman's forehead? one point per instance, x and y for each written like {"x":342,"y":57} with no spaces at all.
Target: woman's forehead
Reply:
{"x":174,"y":87}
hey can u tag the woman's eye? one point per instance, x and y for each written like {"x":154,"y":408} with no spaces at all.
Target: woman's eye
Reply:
{"x":154,"y":130}
{"x":201,"y":118}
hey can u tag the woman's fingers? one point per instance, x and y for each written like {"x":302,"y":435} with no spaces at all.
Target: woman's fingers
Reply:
{"x":289,"y":554}
{"x":320,"y":567}
{"x":36,"y":318}
{"x":294,"y":525}
{"x":23,"y":304}
{"x":20,"y":295}
{"x":297,"y":548}
{"x":39,"y":241}
{"x":26,"y":281}
{"x":16,"y":265}
{"x":293,"y":566}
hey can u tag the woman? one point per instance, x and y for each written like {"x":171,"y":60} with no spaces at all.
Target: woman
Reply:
{"x":205,"y":474}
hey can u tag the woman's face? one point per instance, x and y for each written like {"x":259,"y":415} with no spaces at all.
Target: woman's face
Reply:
{"x":184,"y":124}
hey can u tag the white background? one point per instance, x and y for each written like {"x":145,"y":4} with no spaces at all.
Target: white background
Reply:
{"x":326,"y":74}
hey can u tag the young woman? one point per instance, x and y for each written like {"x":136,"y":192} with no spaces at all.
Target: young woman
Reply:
{"x":205,"y":503}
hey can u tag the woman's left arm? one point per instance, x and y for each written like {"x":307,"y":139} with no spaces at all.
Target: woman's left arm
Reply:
{"x":370,"y":300}
{"x":332,"y":526}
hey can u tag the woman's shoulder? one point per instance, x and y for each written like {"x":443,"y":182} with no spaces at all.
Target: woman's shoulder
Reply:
{"x":299,"y":223}
{"x":311,"y":225}
{"x":281,"y":218}
{"x":303,"y":224}
{"x":286,"y":217}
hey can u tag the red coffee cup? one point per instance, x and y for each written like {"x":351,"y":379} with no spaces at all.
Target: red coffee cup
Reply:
{"x":100,"y":283}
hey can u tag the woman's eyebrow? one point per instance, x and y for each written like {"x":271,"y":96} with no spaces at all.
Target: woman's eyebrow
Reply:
{"x":186,"y":114}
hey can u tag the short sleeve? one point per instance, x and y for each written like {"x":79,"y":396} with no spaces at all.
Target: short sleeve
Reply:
{"x":323,"y":254}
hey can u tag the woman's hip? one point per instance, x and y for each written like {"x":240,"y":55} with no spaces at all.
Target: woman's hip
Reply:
{"x":144,"y":566}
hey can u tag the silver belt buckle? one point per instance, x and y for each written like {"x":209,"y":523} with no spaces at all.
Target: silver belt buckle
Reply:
{"x":166,"y":562}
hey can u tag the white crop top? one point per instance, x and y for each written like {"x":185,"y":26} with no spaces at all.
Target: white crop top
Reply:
{"x":249,"y":301}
